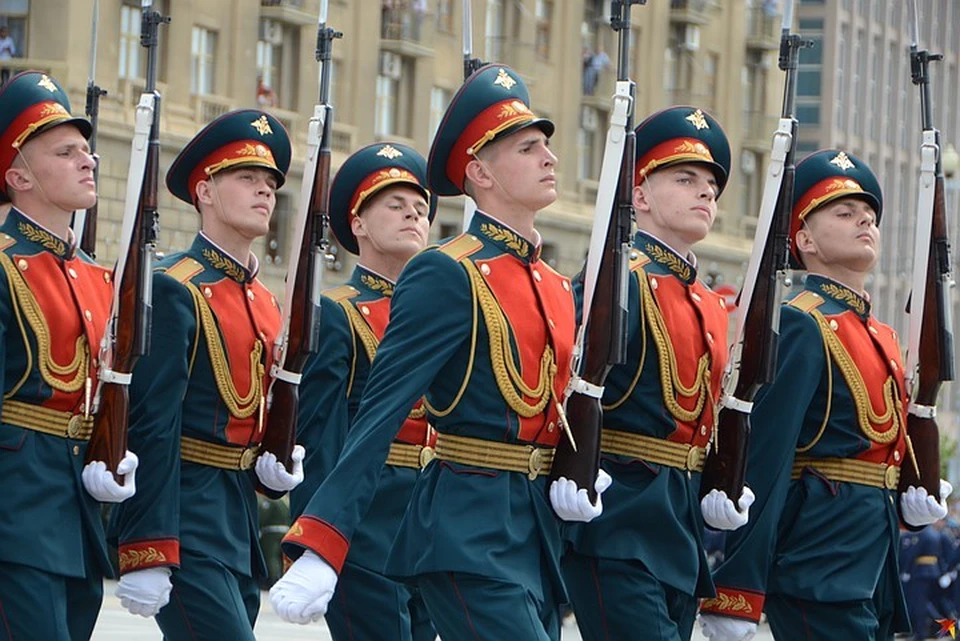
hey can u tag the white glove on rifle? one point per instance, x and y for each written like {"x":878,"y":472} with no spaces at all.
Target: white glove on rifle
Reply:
{"x":274,"y":475}
{"x":919,"y":508}
{"x":99,"y":482}
{"x":144,"y":592}
{"x":303,"y":593}
{"x":717,"y":628}
{"x":572,"y":503}
{"x":720,"y":513}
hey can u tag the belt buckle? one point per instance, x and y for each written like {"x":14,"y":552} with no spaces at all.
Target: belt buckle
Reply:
{"x":75,"y":426}
{"x":427,"y":454}
{"x":249,"y":457}
{"x":693,"y":458}
{"x":535,"y":463}
{"x":891,"y":477}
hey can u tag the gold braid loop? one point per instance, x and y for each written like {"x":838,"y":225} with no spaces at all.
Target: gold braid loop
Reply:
{"x":641,"y":275}
{"x":867,"y":417}
{"x":505,"y":370}
{"x":669,"y":376}
{"x":25,"y":304}
{"x":239,"y":406}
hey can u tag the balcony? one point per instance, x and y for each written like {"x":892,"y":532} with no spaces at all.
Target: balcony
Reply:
{"x":405,"y":31}
{"x":207,"y":107}
{"x":288,"y":11}
{"x":690,"y":11}
{"x":763,"y":29}
{"x":13,"y":66}
{"x":758,"y":130}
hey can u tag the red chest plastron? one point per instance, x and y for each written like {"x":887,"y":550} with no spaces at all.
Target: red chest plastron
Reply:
{"x":86,"y":291}
{"x":538,"y":306}
{"x":246,"y":315}
{"x":695,"y":324}
{"x":874,"y":375}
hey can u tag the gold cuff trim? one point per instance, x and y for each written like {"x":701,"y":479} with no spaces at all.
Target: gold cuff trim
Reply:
{"x":47,"y":421}
{"x":526,"y":459}
{"x":848,"y":470}
{"x":408,"y":455}
{"x":224,"y":457}
{"x":682,"y":456}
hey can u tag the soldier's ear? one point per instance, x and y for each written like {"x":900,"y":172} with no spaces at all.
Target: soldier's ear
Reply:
{"x":18,"y":179}
{"x":641,"y":200}
{"x":805,"y":241}
{"x":204,"y":193}
{"x":478,"y":173}
{"x":356,"y":226}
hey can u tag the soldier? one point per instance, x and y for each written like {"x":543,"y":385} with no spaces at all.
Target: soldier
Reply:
{"x":828,"y":439}
{"x":54,"y":306}
{"x":380,"y":209}
{"x":484,"y":329}
{"x":659,"y":407}
{"x":197,"y":400}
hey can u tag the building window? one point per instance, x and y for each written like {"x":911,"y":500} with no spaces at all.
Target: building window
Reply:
{"x":131,"y":63}
{"x":893,"y":58}
{"x":544,"y":22}
{"x":591,"y":141}
{"x":13,"y":17}
{"x":711,"y":67}
{"x":840,"y":104}
{"x":810,"y":69}
{"x":385,"y":118}
{"x":750,"y":179}
{"x":439,"y":99}
{"x":495,"y":30}
{"x":203,"y":49}
{"x":859,"y":71}
{"x":277,"y":64}
{"x":277,"y":237}
{"x":445,"y":16}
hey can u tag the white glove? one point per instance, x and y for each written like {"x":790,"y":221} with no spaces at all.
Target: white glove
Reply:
{"x":274,"y":475}
{"x":919,"y":508}
{"x":144,"y":592}
{"x":945,"y":581}
{"x":720,"y":513}
{"x":573,"y":504}
{"x":717,"y":628}
{"x":99,"y":482}
{"x":303,"y":593}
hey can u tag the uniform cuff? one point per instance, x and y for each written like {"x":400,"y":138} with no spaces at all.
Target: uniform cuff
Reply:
{"x":149,"y":554}
{"x":320,"y":537}
{"x":740,"y":604}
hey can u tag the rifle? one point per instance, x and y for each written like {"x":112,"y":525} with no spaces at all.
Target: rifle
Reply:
{"x":602,"y":338}
{"x":930,"y":343}
{"x":753,"y":355}
{"x":85,"y":221}
{"x":127,"y":335}
{"x":300,"y":323}
{"x":470,"y":65}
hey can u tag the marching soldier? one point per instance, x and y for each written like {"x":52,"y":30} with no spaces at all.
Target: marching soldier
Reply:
{"x":54,"y":306}
{"x":197,"y":400}
{"x":622,"y":572}
{"x":484,"y":329}
{"x":828,"y":439}
{"x":381,"y":210}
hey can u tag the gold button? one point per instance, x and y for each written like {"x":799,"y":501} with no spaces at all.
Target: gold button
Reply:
{"x":695,"y":296}
{"x":551,"y":323}
{"x":427,"y":454}
{"x":208,"y":292}
{"x":873,"y":330}
{"x":893,"y":365}
{"x":76,"y":450}
{"x":703,"y":430}
{"x":551,"y":426}
{"x":834,"y":325}
{"x":896,"y":456}
{"x":249,"y":457}
{"x":710,"y":338}
{"x":250,"y":294}
{"x":74,"y":426}
{"x":566,"y":286}
{"x":723,"y":304}
{"x":485,"y":268}
{"x":273,"y":301}
{"x":536,"y":276}
{"x":653,"y":283}
{"x":106,"y":277}
{"x":634,"y":255}
{"x":365,"y":310}
{"x":88,"y":314}
{"x":22,"y":264}
{"x":72,"y":272}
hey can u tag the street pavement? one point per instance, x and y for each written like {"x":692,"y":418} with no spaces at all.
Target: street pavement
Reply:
{"x":116,"y":624}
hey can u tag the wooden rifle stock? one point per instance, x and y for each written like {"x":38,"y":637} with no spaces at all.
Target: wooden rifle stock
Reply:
{"x":281,"y":428}
{"x":936,"y":357}
{"x":128,"y":331}
{"x":605,"y":344}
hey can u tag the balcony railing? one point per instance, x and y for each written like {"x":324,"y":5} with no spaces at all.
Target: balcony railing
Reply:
{"x":13,"y":66}
{"x":692,"y":11}
{"x":281,"y":3}
{"x":207,"y":107}
{"x":758,"y":129}
{"x":763,"y":29}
